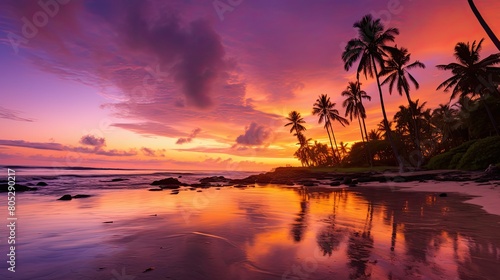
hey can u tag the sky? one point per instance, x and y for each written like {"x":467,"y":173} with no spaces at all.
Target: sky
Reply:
{"x":200,"y":84}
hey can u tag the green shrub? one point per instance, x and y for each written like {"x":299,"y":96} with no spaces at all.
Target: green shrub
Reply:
{"x":441,"y":161}
{"x":455,"y":160}
{"x":450,"y":159}
{"x":481,"y":154}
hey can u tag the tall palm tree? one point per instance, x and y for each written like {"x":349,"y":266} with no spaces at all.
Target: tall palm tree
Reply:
{"x":484,"y":24}
{"x":396,"y":69}
{"x":368,"y":48}
{"x":472,"y":76}
{"x":296,"y":122}
{"x":354,"y":105}
{"x":325,"y":109}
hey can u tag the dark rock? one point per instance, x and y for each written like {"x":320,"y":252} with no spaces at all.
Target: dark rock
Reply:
{"x":214,"y":179}
{"x":482,"y":180}
{"x":81,"y":196}
{"x":382,"y":179}
{"x":175,"y":192}
{"x":4,"y":187}
{"x":199,"y":191}
{"x":308,"y":183}
{"x":347,"y":181}
{"x":492,"y":169}
{"x":351,"y":185}
{"x":109,"y":222}
{"x":365,"y":179}
{"x":114,"y":180}
{"x":240,"y":186}
{"x":155,"y":190}
{"x":443,"y":195}
{"x":41,"y":184}
{"x":167,"y":181}
{"x":335,"y":184}
{"x":66,"y":197}
{"x":170,"y":187}
{"x":399,"y":179}
{"x":118,"y":180}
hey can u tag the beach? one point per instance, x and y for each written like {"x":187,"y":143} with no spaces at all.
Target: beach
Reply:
{"x":370,"y":230}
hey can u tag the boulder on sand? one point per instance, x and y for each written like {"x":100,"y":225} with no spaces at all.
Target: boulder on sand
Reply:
{"x":167,"y":182}
{"x":66,"y":197}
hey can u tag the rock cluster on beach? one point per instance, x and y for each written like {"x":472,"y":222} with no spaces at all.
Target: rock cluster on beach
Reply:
{"x":310,"y":178}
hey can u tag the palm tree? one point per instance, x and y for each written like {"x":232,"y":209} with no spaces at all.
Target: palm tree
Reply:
{"x":445,"y":120}
{"x":484,"y":24}
{"x":369,"y":50}
{"x":396,"y":69}
{"x":325,"y":109}
{"x":304,"y":152}
{"x":374,"y":135}
{"x":296,"y":122}
{"x":382,"y":129}
{"x":344,"y":149}
{"x":472,"y":76}
{"x":354,"y":105}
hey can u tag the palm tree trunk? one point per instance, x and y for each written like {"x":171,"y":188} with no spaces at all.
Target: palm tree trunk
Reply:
{"x":367,"y":146}
{"x":492,"y":119}
{"x":484,"y":24}
{"x":329,"y":137}
{"x":415,"y":128}
{"x":335,"y":141}
{"x":361,"y":129}
{"x":386,"y":122}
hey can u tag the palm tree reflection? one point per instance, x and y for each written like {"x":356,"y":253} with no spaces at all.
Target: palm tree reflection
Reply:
{"x":300,"y":224}
{"x":331,"y":236}
{"x":360,"y":246}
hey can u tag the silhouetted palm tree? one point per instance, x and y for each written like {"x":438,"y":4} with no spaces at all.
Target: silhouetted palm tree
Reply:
{"x":484,"y":24}
{"x":445,"y":120}
{"x":396,"y":69}
{"x":344,"y":149}
{"x":369,"y":50}
{"x":296,"y":122}
{"x":374,"y":135}
{"x":472,"y":76}
{"x":326,"y":112}
{"x":354,"y":105}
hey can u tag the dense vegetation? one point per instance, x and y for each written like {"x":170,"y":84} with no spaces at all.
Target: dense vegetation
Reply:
{"x":463,"y":134}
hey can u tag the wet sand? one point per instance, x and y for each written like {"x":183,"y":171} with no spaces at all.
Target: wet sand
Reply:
{"x":373,"y":231}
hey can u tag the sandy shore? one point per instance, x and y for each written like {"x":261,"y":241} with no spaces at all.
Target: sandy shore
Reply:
{"x":278,"y":225}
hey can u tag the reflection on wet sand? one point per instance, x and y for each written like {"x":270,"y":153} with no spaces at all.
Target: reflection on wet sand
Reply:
{"x":277,"y":232}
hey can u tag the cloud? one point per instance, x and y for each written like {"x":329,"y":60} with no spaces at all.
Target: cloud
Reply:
{"x":153,"y":153}
{"x":60,"y":147}
{"x":193,"y":134}
{"x":255,"y":135}
{"x":91,"y":140}
{"x":12,"y":115}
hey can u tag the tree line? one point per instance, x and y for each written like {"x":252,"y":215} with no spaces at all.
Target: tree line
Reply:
{"x":416,"y":133}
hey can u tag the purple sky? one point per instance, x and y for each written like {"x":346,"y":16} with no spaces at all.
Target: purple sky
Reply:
{"x":198,"y":84}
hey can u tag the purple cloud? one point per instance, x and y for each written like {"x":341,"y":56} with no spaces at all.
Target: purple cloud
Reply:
{"x":61,"y":147}
{"x":153,"y":153}
{"x":193,"y":134}
{"x":12,"y":115}
{"x":91,"y":140}
{"x":255,"y":135}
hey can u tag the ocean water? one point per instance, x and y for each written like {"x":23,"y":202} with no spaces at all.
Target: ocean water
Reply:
{"x":124,"y":231}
